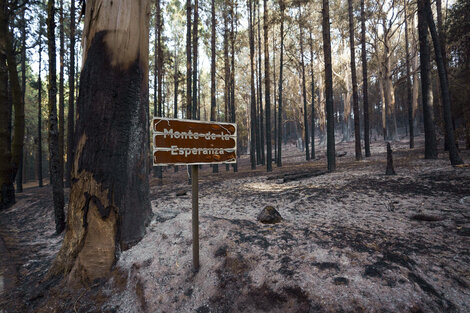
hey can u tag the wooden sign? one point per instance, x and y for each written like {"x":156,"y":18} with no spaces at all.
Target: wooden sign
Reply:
{"x":185,"y":142}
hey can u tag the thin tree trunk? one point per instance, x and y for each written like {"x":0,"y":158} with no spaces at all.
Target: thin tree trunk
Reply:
{"x":71,"y":115}
{"x":267,"y":91}
{"x":61,"y":85}
{"x":195,"y":59}
{"x":357,"y":130}
{"x":304,"y":90}
{"x":252,"y":87}
{"x":260,"y":89}
{"x":109,"y":200}
{"x":430,"y":149}
{"x":188,"y":60}
{"x":39,"y":148}
{"x":215,"y":167}
{"x":55,"y":169}
{"x":312,"y":87}
{"x":274,"y":97}
{"x":232,"y":69}
{"x":279,"y":109}
{"x":365,"y":92}
{"x":19,"y":175}
{"x":158,"y":77}
{"x":409,"y":96}
{"x":454,"y":156}
{"x":330,"y":126}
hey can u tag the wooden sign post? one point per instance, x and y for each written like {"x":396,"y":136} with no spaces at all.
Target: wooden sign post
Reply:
{"x":191,"y":142}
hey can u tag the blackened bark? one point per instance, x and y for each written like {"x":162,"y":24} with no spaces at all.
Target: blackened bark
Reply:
{"x":61,"y":85}
{"x":215,"y":167}
{"x":454,"y":156}
{"x":158,"y":77}
{"x":55,"y":169}
{"x":19,"y":175}
{"x":312,"y":87}
{"x":304,"y":90}
{"x":365,"y":92}
{"x":330,"y":126}
{"x":71,"y":113}
{"x":267,"y":81}
{"x":39,"y":147}
{"x":279,"y":110}
{"x":274,"y":97}
{"x":232,"y":69}
{"x":188,"y":61}
{"x":252,"y":89}
{"x":357,"y":130}
{"x":430,"y":149}
{"x":390,"y":170}
{"x":195,"y":58}
{"x":260,"y":89}
{"x":409,"y":96}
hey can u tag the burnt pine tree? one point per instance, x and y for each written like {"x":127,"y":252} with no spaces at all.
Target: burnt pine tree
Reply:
{"x":330,"y":126}
{"x":109,"y":199}
{"x":409,"y":95}
{"x":279,"y":109}
{"x":158,"y":76}
{"x":215,"y":167}
{"x":71,"y":112}
{"x":253,"y":121}
{"x":39,"y":147}
{"x":260,"y":89}
{"x":195,"y":58}
{"x":55,"y":167}
{"x":267,"y":91}
{"x":61,"y":84}
{"x":454,"y":156}
{"x":10,"y":150}
{"x":357,"y":130}
{"x":304,"y":90}
{"x":430,"y":148}
{"x":365,"y":91}
{"x":188,"y":60}
{"x":312,"y":87}
{"x":232,"y":68}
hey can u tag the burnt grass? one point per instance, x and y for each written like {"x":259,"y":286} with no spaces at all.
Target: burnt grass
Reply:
{"x":28,"y":243}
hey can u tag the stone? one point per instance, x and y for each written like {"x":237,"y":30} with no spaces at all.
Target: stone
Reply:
{"x":269,"y":215}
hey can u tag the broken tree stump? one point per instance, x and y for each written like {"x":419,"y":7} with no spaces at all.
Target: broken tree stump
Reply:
{"x":390,"y":170}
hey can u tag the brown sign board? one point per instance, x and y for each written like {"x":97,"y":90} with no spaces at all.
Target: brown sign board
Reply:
{"x":185,"y":142}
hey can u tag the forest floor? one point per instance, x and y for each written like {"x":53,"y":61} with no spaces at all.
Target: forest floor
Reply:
{"x":354,"y":240}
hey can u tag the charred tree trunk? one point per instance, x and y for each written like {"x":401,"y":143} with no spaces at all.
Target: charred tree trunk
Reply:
{"x":109,"y":200}
{"x":39,"y":148}
{"x":260,"y":89}
{"x":430,"y":148}
{"x":19,"y":176}
{"x":274,"y":98}
{"x":357,"y":130}
{"x":454,"y":156}
{"x":330,"y":121}
{"x":279,"y":109}
{"x":409,"y":96}
{"x":312,"y":87}
{"x":188,"y":61}
{"x":158,"y":77}
{"x":390,"y":170}
{"x":365,"y":92}
{"x":232,"y":69}
{"x":71,"y":115}
{"x":267,"y":91}
{"x":304,"y":90}
{"x":215,"y":167}
{"x":55,"y":168}
{"x":252,"y":88}
{"x":195,"y":58}
{"x":61,"y":86}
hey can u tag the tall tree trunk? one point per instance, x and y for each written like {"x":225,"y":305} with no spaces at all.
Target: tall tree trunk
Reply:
{"x":227,"y":75}
{"x":252,"y":89}
{"x":71,"y":113}
{"x":267,"y":91}
{"x":61,"y":85}
{"x":195,"y":59}
{"x":357,"y":130}
{"x":312,"y":87}
{"x":430,"y":149}
{"x":409,"y":96}
{"x":330,"y":126}
{"x":365,"y":92}
{"x":39,"y":148}
{"x":109,"y":200}
{"x":158,"y":77}
{"x":232,"y":68}
{"x":55,"y":168}
{"x":279,"y":110}
{"x":176,"y":80}
{"x":274,"y":97}
{"x":215,"y":167}
{"x":188,"y":61}
{"x":454,"y":156}
{"x":19,"y":176}
{"x":304,"y":90}
{"x":260,"y":89}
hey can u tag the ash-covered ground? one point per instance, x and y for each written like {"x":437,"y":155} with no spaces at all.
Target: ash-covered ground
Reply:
{"x":354,"y":240}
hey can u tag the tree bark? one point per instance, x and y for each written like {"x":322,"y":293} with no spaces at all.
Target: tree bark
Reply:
{"x":61,"y":85}
{"x":232,"y":69}
{"x":365,"y":92}
{"x":253,"y":122}
{"x":454,"y":156}
{"x":357,"y":130}
{"x":158,"y":173}
{"x":195,"y":59}
{"x":304,"y":90}
{"x":188,"y":61}
{"x":267,"y":91}
{"x":215,"y":167}
{"x":330,"y":126}
{"x":260,"y":90}
{"x":39,"y":148}
{"x":109,"y":200}
{"x":55,"y":168}
{"x":312,"y":87}
{"x":19,"y":176}
{"x":279,"y":109}
{"x":409,"y":96}
{"x":430,"y":148}
{"x":71,"y":112}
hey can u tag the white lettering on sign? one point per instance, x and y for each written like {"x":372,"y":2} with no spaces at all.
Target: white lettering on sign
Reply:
{"x":190,"y":135}
{"x":175,"y":150}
